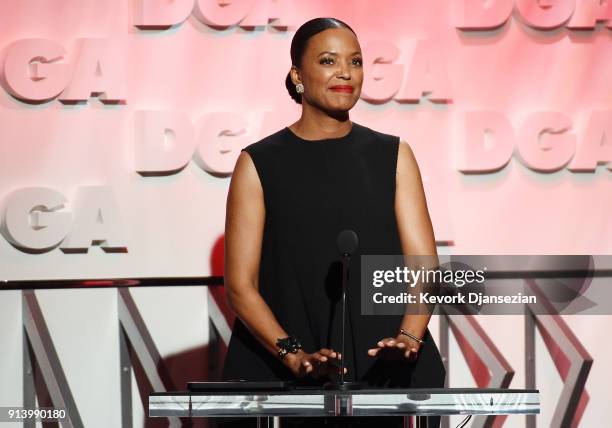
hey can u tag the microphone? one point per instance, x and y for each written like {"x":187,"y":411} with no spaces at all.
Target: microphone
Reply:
{"x":347,"y":242}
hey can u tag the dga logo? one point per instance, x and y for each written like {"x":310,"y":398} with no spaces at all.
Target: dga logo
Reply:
{"x":474,"y":15}
{"x":35,"y":220}
{"x":163,"y":14}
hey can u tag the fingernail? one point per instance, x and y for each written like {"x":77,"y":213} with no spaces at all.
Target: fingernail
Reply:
{"x":401,"y":345}
{"x":380,"y":344}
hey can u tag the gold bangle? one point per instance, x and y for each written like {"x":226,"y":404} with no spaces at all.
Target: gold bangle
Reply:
{"x":412,"y":336}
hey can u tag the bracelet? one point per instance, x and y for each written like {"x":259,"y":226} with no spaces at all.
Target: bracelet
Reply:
{"x":286,"y":345}
{"x":412,"y":336}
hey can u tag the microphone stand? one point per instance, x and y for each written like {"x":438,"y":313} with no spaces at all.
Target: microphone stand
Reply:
{"x":344,"y":385}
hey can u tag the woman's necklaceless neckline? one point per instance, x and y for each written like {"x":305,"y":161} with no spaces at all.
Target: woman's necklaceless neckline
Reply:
{"x":321,"y":140}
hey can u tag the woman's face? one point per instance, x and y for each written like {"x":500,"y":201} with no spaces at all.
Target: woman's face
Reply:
{"x":332,"y":58}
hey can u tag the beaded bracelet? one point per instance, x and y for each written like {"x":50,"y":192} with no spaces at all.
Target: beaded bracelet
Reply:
{"x":286,"y":345}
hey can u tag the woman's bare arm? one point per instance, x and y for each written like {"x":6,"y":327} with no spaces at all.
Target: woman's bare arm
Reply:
{"x":419,"y":249}
{"x":244,"y":225}
{"x":414,"y":224}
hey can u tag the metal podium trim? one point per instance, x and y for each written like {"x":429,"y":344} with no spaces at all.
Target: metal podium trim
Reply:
{"x":301,"y":403}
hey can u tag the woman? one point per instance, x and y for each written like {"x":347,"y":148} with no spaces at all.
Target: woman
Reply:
{"x":290,"y":195}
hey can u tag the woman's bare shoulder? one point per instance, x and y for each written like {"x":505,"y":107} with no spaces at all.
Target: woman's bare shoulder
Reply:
{"x":406,"y":161}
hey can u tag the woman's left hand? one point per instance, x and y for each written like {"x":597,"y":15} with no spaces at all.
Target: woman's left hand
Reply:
{"x":396,"y":348}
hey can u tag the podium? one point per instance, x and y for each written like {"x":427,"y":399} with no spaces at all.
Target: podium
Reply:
{"x":267,"y":406}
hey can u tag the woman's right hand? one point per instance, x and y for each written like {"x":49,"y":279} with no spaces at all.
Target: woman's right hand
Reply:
{"x":325,"y":362}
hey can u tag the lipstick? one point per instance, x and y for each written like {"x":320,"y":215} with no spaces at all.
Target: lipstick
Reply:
{"x":342,"y":88}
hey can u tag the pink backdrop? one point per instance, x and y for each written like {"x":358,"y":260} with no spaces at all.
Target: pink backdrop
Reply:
{"x":437,"y":73}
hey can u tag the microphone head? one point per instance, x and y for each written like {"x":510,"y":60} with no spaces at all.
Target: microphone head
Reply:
{"x":347,"y":241}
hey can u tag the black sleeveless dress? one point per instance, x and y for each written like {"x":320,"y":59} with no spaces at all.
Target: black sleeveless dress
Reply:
{"x":314,"y":189}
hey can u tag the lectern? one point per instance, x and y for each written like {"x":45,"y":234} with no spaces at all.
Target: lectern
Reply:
{"x":267,"y":406}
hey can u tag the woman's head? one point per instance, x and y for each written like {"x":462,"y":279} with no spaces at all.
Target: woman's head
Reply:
{"x":325,"y":53}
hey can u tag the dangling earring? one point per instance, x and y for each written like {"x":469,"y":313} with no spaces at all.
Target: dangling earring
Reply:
{"x":299,"y":88}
